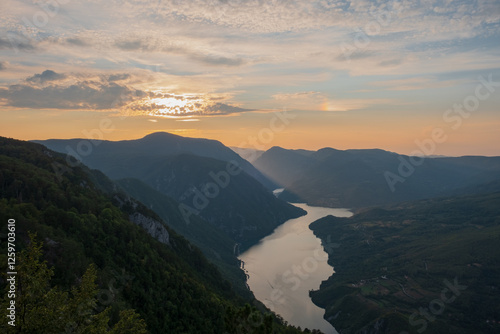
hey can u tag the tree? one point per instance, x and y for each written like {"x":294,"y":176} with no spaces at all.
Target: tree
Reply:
{"x":41,"y":308}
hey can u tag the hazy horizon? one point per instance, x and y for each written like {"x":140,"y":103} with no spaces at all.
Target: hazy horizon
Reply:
{"x":364,"y":74}
{"x":267,"y":148}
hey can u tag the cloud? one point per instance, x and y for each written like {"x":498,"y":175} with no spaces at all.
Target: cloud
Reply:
{"x":3,"y":65}
{"x":355,"y":104}
{"x":51,"y":90}
{"x":118,"y":77}
{"x":391,"y":62}
{"x":354,"y":54}
{"x":299,"y":95}
{"x":154,"y":44}
{"x":254,"y":15}
{"x":414,"y":83}
{"x":130,"y":45}
{"x":221,"y":109}
{"x":188,"y":120}
{"x":245,"y":45}
{"x":76,"y":41}
{"x":310,"y":100}
{"x":215,"y":60}
{"x":77,"y":92}
{"x":178,"y":106}
{"x":16,"y":42}
{"x":90,"y":96}
{"x":45,"y":76}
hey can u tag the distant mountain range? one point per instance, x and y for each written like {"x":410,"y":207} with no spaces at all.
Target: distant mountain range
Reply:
{"x":109,"y":156}
{"x":389,"y":260}
{"x":206,"y":177}
{"x":83,"y":218}
{"x":248,"y":154}
{"x":361,"y":178}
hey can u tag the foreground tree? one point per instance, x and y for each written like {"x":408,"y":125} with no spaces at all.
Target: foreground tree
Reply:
{"x":41,"y":308}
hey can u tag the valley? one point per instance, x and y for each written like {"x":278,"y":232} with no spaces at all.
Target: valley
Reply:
{"x":297,"y":266}
{"x":250,"y":167}
{"x":284,"y":266}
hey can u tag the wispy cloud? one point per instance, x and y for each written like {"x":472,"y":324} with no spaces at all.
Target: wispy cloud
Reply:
{"x":15,"y":41}
{"x":219,"y":47}
{"x":310,"y":100}
{"x":355,"y":104}
{"x":415,"y":83}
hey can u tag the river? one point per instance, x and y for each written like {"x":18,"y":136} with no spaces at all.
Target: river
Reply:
{"x":285,"y":265}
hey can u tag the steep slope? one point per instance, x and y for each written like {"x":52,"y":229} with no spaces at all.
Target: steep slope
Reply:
{"x":249,"y":154}
{"x":108,"y":156}
{"x":218,"y":247}
{"x":428,"y":266}
{"x":360,"y":178}
{"x":166,"y":279}
{"x":243,"y":208}
{"x":284,"y":166}
{"x":219,"y":192}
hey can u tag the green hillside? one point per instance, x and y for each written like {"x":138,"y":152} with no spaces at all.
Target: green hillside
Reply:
{"x":215,"y":245}
{"x":170,"y":284}
{"x":430,"y":266}
{"x":208,"y":178}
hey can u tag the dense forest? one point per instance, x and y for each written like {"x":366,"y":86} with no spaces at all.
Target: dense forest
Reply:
{"x":91,"y":256}
{"x":431,"y":265}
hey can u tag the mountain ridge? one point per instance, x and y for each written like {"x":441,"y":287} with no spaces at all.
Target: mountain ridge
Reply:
{"x":194,"y":171}
{"x":156,"y":144}
{"x":370,"y":177}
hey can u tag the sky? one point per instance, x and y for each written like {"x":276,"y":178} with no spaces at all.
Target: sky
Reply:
{"x":413,"y":77}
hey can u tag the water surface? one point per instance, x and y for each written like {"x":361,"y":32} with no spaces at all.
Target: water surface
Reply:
{"x":285,"y":265}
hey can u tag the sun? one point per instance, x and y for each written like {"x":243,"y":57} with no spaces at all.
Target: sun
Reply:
{"x":170,"y":102}
{"x":162,"y":104}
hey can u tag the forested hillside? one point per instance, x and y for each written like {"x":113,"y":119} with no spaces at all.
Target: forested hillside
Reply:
{"x":431,"y":265}
{"x":218,"y":247}
{"x":362,"y":178}
{"x":208,"y":178}
{"x":168,"y":282}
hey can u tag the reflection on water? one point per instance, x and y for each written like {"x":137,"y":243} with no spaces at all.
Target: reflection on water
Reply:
{"x":285,"y":265}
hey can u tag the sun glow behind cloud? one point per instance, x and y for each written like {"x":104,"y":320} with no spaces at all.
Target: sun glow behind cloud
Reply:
{"x":183,"y":61}
{"x":175,"y":106}
{"x":185,"y":106}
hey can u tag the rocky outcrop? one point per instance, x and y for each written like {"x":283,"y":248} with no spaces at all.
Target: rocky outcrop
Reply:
{"x":152,"y":226}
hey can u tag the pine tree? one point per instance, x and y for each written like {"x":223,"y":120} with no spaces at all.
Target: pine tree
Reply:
{"x":41,"y":308}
